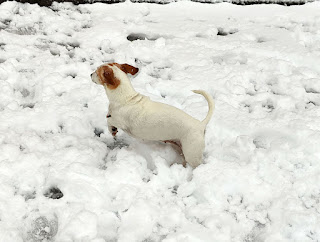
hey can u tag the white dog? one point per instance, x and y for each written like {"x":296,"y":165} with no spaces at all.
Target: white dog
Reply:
{"x":142,"y":118}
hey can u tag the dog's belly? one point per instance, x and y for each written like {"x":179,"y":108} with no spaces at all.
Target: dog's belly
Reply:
{"x":150,"y":135}
{"x":157,"y":121}
{"x":156,"y":136}
{"x":157,"y":132}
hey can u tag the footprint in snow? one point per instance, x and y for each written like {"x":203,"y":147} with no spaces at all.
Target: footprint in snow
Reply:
{"x":224,"y":32}
{"x":53,"y":193}
{"x":141,"y":36}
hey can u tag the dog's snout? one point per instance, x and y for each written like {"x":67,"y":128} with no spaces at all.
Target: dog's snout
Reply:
{"x":95,"y":78}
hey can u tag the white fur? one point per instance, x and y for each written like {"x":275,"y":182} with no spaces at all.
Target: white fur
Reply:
{"x":142,"y":118}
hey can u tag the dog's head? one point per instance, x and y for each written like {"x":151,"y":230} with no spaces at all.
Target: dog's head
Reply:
{"x":110,"y":75}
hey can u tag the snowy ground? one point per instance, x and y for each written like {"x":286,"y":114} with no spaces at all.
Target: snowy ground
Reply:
{"x":261,"y":177}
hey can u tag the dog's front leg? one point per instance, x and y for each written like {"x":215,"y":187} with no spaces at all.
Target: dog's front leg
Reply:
{"x":112,"y":129}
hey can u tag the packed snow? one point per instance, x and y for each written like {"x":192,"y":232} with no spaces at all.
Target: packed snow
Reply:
{"x":64,"y":178}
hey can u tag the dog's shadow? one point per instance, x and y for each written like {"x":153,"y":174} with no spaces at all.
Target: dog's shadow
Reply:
{"x":117,"y":143}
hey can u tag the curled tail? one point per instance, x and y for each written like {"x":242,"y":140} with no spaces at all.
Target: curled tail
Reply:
{"x":210,"y":104}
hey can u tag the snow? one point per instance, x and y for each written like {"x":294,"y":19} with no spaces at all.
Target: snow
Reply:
{"x":239,"y":2}
{"x":260,"y":178}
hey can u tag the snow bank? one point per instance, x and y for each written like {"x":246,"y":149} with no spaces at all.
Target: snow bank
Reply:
{"x":64,"y":178}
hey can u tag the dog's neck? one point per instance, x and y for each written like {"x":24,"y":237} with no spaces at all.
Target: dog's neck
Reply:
{"x":123,"y":94}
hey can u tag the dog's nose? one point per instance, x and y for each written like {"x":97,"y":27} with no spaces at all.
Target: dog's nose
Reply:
{"x":91,"y":74}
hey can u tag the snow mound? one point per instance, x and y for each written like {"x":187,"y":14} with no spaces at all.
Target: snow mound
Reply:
{"x":42,"y":229}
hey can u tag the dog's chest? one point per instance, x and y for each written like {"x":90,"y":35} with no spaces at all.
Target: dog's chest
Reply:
{"x":118,"y":116}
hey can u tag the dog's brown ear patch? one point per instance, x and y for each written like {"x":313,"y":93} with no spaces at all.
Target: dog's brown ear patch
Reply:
{"x":108,"y":78}
{"x":129,"y":69}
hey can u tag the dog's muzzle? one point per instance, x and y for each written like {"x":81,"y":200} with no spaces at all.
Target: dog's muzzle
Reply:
{"x":94,"y":78}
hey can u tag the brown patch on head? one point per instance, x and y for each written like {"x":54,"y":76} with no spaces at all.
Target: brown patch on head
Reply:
{"x":126,"y":68}
{"x":107,"y":77}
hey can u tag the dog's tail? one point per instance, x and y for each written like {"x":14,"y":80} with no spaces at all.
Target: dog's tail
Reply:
{"x":210,"y":104}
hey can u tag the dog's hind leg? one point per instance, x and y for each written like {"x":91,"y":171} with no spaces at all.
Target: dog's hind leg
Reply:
{"x":192,"y":148}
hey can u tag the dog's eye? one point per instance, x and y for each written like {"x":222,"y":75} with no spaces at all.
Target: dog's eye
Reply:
{"x":107,"y":73}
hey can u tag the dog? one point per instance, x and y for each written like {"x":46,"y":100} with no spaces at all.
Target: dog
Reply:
{"x":144,"y":119}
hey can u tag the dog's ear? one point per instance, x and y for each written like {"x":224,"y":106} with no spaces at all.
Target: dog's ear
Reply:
{"x":128,"y":69}
{"x":108,"y":78}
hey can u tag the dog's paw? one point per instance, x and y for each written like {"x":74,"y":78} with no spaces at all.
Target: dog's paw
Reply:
{"x":114,"y":131}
